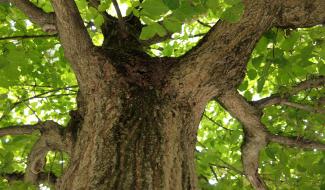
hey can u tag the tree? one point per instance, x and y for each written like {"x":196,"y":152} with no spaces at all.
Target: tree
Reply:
{"x":141,"y":93}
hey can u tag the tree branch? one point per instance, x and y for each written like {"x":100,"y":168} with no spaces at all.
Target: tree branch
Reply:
{"x":120,"y":19}
{"x":73,"y":34}
{"x":41,"y":95}
{"x":214,"y":122}
{"x":53,"y":137}
{"x":47,"y":177}
{"x":20,"y":129}
{"x":223,"y":51}
{"x":254,"y":134}
{"x":300,"y":13}
{"x":282,"y":99}
{"x":296,"y":142}
{"x":28,"y":37}
{"x":45,"y":20}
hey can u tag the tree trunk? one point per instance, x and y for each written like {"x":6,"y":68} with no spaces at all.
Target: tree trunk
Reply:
{"x":140,"y":140}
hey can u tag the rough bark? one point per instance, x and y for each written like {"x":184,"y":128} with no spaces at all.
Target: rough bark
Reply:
{"x":137,"y":144}
{"x":137,"y":116}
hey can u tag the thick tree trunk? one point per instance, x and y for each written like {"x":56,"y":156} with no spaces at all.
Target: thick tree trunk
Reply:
{"x":143,"y":140}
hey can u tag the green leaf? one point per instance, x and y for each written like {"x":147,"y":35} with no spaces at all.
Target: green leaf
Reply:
{"x":172,"y":25}
{"x":147,"y":32}
{"x":251,"y":74}
{"x":243,"y":85}
{"x":234,"y":13}
{"x":153,"y":9}
{"x":104,"y":5}
{"x":172,"y":4}
{"x":99,"y":20}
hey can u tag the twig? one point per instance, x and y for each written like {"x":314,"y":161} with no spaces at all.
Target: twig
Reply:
{"x":204,"y":24}
{"x":28,"y":37}
{"x":213,"y":121}
{"x":33,"y":97}
{"x":213,"y":172}
{"x":120,"y":18}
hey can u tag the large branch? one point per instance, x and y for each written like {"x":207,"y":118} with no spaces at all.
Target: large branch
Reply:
{"x":255,"y":133}
{"x":73,"y":34}
{"x":53,"y":137}
{"x":256,"y":136}
{"x":36,"y":15}
{"x":300,"y":13}
{"x":225,"y":50}
{"x":222,"y":53}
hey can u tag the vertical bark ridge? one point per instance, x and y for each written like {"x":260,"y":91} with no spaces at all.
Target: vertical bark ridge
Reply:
{"x":145,"y":142}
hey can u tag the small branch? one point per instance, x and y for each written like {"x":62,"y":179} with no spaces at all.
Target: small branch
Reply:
{"x":229,"y":166}
{"x":213,"y":172}
{"x":250,"y":157}
{"x":302,"y":107}
{"x":36,"y":96}
{"x":214,"y":122}
{"x":120,"y":18}
{"x":28,"y":37}
{"x":308,"y":84}
{"x":296,"y":142}
{"x":37,"y":15}
{"x":20,"y":129}
{"x":47,"y":177}
{"x":204,"y":24}
{"x":117,"y":9}
{"x":278,"y":99}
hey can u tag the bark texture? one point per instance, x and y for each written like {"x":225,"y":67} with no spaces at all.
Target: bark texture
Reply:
{"x":137,"y":117}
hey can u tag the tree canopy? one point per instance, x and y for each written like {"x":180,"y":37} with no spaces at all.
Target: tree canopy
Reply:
{"x":285,"y":78}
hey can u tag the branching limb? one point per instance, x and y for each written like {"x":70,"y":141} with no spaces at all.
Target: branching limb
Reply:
{"x":300,"y":13}
{"x":296,"y":142}
{"x":223,"y":51}
{"x":73,"y":34}
{"x":41,"y":178}
{"x":53,"y":137}
{"x":37,"y":15}
{"x":255,"y":134}
{"x":250,"y":157}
